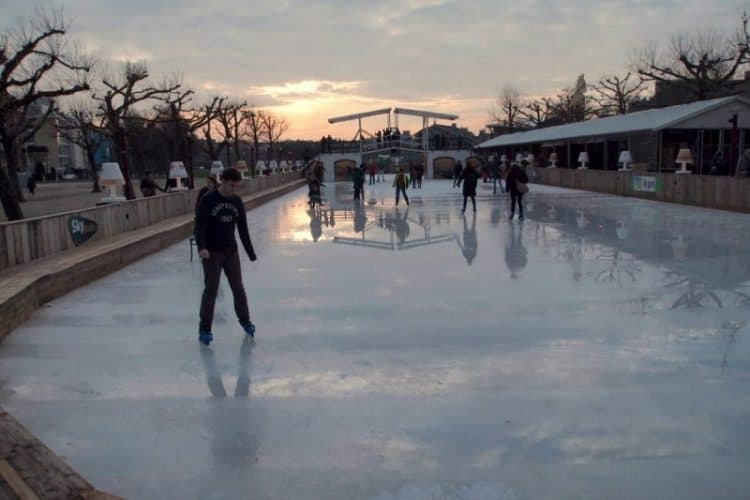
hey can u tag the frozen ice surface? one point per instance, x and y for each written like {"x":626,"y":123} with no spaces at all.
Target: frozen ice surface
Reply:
{"x":598,"y":350}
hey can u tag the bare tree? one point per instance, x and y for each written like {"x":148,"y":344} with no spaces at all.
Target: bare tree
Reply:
{"x":699,"y":63}
{"x":254,"y":131}
{"x":37,"y":65}
{"x":536,"y":113}
{"x":231,"y":116}
{"x":79,"y":125}
{"x":196,"y":119}
{"x":508,"y":107}
{"x":274,"y":128}
{"x":616,"y":96}
{"x":211,"y":111}
{"x":117,"y":103}
{"x":571,"y":105}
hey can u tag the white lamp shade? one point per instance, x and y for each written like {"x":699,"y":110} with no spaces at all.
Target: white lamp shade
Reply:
{"x":177,"y":170}
{"x":283,"y":165}
{"x":583,"y":157}
{"x":530,"y":158}
{"x":684,"y":156}
{"x":519,"y":158}
{"x":260,"y":165}
{"x":625,"y":157}
{"x":217,"y":164}
{"x":274,"y":165}
{"x":216,"y":170}
{"x":504,"y":158}
{"x":241,"y":165}
{"x":111,"y":175}
{"x":554,"y":157}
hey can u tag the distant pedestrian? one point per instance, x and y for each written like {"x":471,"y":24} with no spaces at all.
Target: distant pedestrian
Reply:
{"x":457,"y":170}
{"x":470,"y":177}
{"x":401,"y":182}
{"x":221,"y":212}
{"x":372,"y":169}
{"x":516,"y":183}
{"x":420,"y":174}
{"x":31,"y":184}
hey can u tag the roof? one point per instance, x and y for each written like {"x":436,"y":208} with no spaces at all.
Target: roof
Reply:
{"x":651,"y":120}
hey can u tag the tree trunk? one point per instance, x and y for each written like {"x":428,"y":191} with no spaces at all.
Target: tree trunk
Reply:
{"x":11,"y":158}
{"x":229,"y":160}
{"x":95,"y":187}
{"x":121,"y":144}
{"x":11,"y":206}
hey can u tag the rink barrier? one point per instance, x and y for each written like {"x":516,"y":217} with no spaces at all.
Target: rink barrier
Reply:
{"x":24,"y":289}
{"x":718,"y":192}
{"x":25,"y":241}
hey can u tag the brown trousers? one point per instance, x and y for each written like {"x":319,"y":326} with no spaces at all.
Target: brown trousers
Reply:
{"x":212,"y":267}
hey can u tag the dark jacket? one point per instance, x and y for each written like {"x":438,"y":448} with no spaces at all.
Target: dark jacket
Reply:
{"x":216,"y":221}
{"x":515,"y":174}
{"x":470,"y":176}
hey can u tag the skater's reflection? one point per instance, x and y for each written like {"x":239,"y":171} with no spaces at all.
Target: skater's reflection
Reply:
{"x":233,"y":427}
{"x":496,"y":216}
{"x":316,"y":224}
{"x":515,"y":252}
{"x":360,"y":219}
{"x":401,"y":225}
{"x":470,"y":243}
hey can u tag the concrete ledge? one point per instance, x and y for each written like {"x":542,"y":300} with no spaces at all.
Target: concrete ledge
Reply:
{"x":31,"y":470}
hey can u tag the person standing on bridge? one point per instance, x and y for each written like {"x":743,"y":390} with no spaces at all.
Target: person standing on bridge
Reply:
{"x":220,"y":212}
{"x":401,"y":182}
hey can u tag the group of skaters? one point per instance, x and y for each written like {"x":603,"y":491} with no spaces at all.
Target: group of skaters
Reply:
{"x":514,"y":178}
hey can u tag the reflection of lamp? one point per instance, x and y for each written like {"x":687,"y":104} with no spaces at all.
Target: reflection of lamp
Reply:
{"x":581,"y":220}
{"x":111,"y":177}
{"x":553,"y":158}
{"x":583,"y":159}
{"x":684,"y":157}
{"x":177,"y":171}
{"x":622,"y":230}
{"x":625,"y":158}
{"x":680,"y":248}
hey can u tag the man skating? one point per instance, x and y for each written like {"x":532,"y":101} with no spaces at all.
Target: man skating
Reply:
{"x":219,"y":213}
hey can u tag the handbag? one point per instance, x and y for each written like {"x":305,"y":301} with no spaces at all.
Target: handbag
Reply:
{"x":522,"y":187}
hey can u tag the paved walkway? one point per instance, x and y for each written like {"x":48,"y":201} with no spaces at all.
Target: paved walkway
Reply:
{"x":598,"y":350}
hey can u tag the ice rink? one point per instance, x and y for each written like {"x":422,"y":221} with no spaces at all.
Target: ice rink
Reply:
{"x":597,"y":350}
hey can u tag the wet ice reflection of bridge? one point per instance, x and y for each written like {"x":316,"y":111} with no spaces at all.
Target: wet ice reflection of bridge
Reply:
{"x":603,"y":341}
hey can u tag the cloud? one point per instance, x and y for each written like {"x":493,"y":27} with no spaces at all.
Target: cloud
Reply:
{"x":339,"y":53}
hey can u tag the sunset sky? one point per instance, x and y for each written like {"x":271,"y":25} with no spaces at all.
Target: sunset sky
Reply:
{"x":311,"y":60}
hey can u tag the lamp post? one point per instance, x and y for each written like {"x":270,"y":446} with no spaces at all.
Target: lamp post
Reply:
{"x":625,"y":158}
{"x":583,"y":159}
{"x":111,"y":177}
{"x":684,"y":158}
{"x":178,"y":172}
